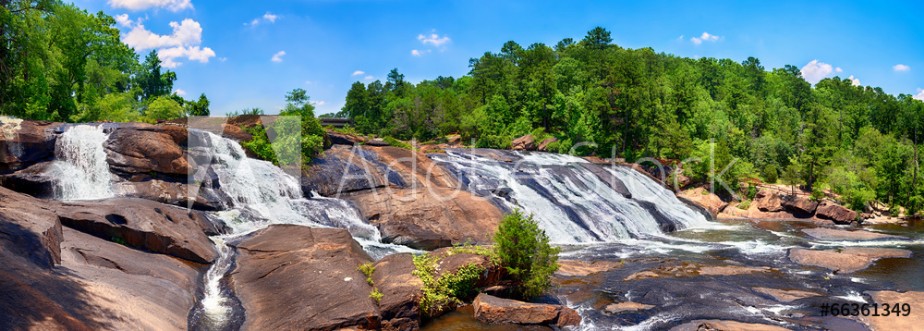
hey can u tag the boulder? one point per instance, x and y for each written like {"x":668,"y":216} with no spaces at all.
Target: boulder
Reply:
{"x":719,"y":325}
{"x":38,"y":180}
{"x":578,"y":268}
{"x":544,"y":145}
{"x":173,"y":193}
{"x":294,"y":276}
{"x":768,"y":201}
{"x":143,"y":149}
{"x":144,"y":224}
{"x":831,"y":211}
{"x":845,"y":260}
{"x":401,"y":291}
{"x":344,"y":169}
{"x":337,"y":138}
{"x":29,"y":229}
{"x":23,"y":143}
{"x":454,"y":139}
{"x":524,"y":143}
{"x":491,"y":309}
{"x":628,"y":306}
{"x":800,"y":205}
{"x":705,"y":199}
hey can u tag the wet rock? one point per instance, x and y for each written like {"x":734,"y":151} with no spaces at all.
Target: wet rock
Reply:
{"x":768,"y":201}
{"x":800,"y":206}
{"x":616,"y":308}
{"x":544,"y":145}
{"x":576,"y":268}
{"x":912,"y":321}
{"x":786,"y":295}
{"x":289,"y":275}
{"x":142,"y":149}
{"x":490,"y":309}
{"x":693,"y":270}
{"x":524,"y":143}
{"x":846,"y":260}
{"x":401,"y":291}
{"x":338,"y":138}
{"x":607,"y":177}
{"x":24,"y":143}
{"x":831,"y":211}
{"x":718,"y":325}
{"x":144,"y":224}
{"x":37,"y":180}
{"x":173,"y":193}
{"x":705,"y":199}
{"x":838,"y":234}
{"x":344,"y":169}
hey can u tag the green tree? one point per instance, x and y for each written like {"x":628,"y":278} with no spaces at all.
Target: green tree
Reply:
{"x":164,"y":108}
{"x":524,"y":250}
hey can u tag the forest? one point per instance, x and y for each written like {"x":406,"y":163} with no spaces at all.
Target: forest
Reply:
{"x":61,"y":63}
{"x":769,"y":125}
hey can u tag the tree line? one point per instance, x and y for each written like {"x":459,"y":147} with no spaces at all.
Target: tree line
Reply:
{"x":857,"y":141}
{"x":61,"y":63}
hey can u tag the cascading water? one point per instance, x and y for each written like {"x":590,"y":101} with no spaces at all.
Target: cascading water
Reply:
{"x":572,"y":204}
{"x":262,"y":194}
{"x":81,"y":170}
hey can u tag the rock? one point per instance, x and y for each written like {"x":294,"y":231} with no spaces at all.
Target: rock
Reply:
{"x":524,"y":143}
{"x":768,"y":201}
{"x":343,"y":169}
{"x":616,"y":308}
{"x":838,"y":234}
{"x":38,"y":180}
{"x":846,"y":260}
{"x":786,"y":295}
{"x":718,"y":325}
{"x":377,"y":142}
{"x":401,"y":291}
{"x":144,"y":224}
{"x":142,"y":149}
{"x":834,"y":212}
{"x":28,"y":228}
{"x":289,"y":275}
{"x":705,"y":199}
{"x":490,"y":309}
{"x":544,"y":145}
{"x":800,"y":206}
{"x":607,"y":177}
{"x":576,"y":268}
{"x":337,"y":138}
{"x":695,"y":270}
{"x":451,"y":261}
{"x":24,"y":143}
{"x":912,"y":321}
{"x":454,"y":139}
{"x":172,"y":193}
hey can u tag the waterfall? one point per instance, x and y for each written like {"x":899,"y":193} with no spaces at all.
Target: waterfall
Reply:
{"x":572,"y":204}
{"x":262,"y":194}
{"x":81,"y":170}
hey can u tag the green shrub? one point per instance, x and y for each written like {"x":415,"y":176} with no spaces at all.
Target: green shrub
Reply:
{"x":376,"y":295}
{"x":744,"y":204}
{"x":524,"y":250}
{"x":818,"y":193}
{"x":448,"y":290}
{"x":770,"y":174}
{"x":260,"y":145}
{"x":367,"y":269}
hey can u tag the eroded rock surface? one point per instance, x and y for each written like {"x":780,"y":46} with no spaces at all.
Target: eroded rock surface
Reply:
{"x":845,"y":260}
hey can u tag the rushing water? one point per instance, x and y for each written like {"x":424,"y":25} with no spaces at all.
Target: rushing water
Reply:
{"x":572,"y":203}
{"x":262,"y":194}
{"x":81,"y":171}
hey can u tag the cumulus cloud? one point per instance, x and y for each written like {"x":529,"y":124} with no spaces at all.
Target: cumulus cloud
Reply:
{"x":136,"y":5}
{"x":278,"y":56}
{"x":901,"y":67}
{"x":415,"y":52}
{"x":124,"y":20}
{"x":267,"y":17}
{"x":369,"y":77}
{"x":184,"y":42}
{"x":854,"y":81}
{"x":358,"y":73}
{"x":180,"y":92}
{"x":704,"y":37}
{"x":815,"y":71}
{"x":838,"y":70}
{"x":920,"y":95}
{"x":433,"y":39}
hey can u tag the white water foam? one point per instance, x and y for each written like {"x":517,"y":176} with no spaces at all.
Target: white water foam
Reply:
{"x":80,"y":170}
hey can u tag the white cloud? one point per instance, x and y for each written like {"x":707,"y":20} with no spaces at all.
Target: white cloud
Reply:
{"x":180,"y":92}
{"x":359,"y":73}
{"x":136,"y":5}
{"x":369,"y":77}
{"x":815,"y":71}
{"x":415,"y":52}
{"x":901,"y":67}
{"x":278,"y":56}
{"x":433,"y":39}
{"x":854,"y":81}
{"x":124,"y":20}
{"x":184,"y":42}
{"x":838,"y":70}
{"x":319,"y":103}
{"x":704,"y":37}
{"x":267,"y":17}
{"x":920,"y":95}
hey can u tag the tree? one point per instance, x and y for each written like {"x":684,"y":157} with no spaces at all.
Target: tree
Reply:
{"x":524,"y":250}
{"x":597,"y":38}
{"x":199,"y":107}
{"x":152,"y":80}
{"x":164,"y":108}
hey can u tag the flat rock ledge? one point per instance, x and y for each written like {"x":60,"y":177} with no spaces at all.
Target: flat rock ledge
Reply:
{"x":846,"y":260}
{"x":494,"y":310}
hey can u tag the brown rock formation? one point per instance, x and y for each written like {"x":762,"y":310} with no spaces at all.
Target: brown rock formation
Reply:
{"x":846,"y":260}
{"x":490,"y":309}
{"x":524,"y":143}
{"x":831,"y":211}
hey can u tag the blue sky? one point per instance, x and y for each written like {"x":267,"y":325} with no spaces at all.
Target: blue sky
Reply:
{"x":246,"y":54}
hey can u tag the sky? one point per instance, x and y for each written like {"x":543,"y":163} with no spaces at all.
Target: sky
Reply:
{"x":245,"y":54}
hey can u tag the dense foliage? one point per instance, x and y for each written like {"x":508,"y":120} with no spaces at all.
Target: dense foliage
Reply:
{"x":858,"y":141}
{"x":292,"y":138}
{"x":446,"y":290}
{"x":523,"y":249}
{"x":60,"y":63}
